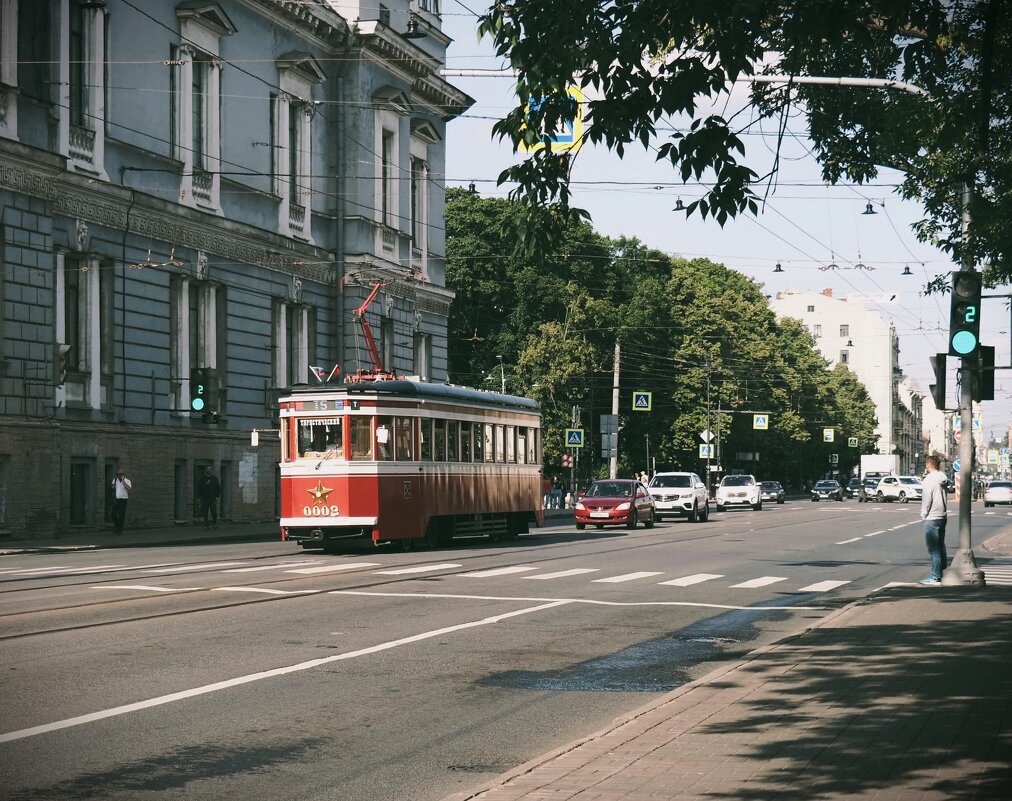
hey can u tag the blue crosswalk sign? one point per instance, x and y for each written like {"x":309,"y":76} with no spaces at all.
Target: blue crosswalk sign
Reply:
{"x":574,"y":437}
{"x":642,"y":401}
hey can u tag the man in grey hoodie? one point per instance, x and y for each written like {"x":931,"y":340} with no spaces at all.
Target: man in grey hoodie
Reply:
{"x":934,"y":508}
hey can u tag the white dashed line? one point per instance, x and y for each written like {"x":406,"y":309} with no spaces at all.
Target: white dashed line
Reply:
{"x":875,"y":533}
{"x":626,"y":577}
{"x":759,"y":582}
{"x":852,"y":539}
{"x":823,"y":586}
{"x":271,"y":567}
{"x":402,"y":571}
{"x":686,"y":581}
{"x":263,"y":590}
{"x":187,"y":568}
{"x":499,"y":571}
{"x":147,"y":587}
{"x":577,"y":571}
{"x":309,"y":571}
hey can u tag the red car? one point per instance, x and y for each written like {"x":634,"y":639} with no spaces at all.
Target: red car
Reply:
{"x":611,"y":501}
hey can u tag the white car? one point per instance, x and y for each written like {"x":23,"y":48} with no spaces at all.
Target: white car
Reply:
{"x":899,"y":488}
{"x":738,"y":490}
{"x":998,"y":492}
{"x":679,"y":495}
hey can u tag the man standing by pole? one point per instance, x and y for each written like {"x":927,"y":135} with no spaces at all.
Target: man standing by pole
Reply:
{"x":934,"y":513}
{"x":208,"y":492}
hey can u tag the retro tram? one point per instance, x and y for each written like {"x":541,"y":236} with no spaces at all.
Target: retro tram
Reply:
{"x":406,"y":462}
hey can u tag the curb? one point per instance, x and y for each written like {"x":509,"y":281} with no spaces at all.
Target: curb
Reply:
{"x":159,"y":543}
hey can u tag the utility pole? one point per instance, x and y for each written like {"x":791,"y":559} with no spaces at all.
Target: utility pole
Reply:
{"x":613,"y":461}
{"x":708,"y":432}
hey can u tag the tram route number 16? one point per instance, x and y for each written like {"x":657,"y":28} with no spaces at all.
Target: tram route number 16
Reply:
{"x":320,"y":511}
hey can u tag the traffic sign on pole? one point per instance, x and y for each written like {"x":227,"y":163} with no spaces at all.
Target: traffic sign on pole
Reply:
{"x":760,"y":422}
{"x":574,"y":437}
{"x":642,"y":401}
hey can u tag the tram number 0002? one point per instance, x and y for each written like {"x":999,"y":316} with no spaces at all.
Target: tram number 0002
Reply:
{"x":320,"y":511}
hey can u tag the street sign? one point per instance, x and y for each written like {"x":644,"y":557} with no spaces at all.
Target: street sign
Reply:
{"x":706,"y":435}
{"x":569,"y":134}
{"x":828,"y":435}
{"x":834,"y":458}
{"x":609,"y":423}
{"x":955,"y":465}
{"x":851,"y":442}
{"x":705,"y":451}
{"x":760,"y":422}
{"x":642,"y":401}
{"x":574,"y":437}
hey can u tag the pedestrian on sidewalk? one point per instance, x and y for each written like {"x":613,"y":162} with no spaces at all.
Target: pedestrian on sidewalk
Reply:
{"x":121,"y":487}
{"x":934,"y":511}
{"x":208,"y":491}
{"x":546,"y":490}
{"x":556,"y":493}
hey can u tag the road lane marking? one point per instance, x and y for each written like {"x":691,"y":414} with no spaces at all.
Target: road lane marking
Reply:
{"x":309,"y":571}
{"x":403,"y":571}
{"x":186,"y":568}
{"x":148,"y":587}
{"x":576,"y":571}
{"x":758,"y":582}
{"x":263,"y":590}
{"x":271,"y":567}
{"x":499,"y":571}
{"x":627,"y":577}
{"x":686,"y":581}
{"x":49,"y":571}
{"x":823,"y":586}
{"x":183,"y":695}
{"x":852,"y":539}
{"x":875,"y":533}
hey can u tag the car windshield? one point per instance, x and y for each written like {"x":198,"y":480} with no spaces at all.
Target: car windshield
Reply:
{"x":671,"y":481}
{"x":610,"y":489}
{"x":1000,"y":485}
{"x":855,"y":482}
{"x":737,"y":481}
{"x":826,"y":485}
{"x":909,"y":480}
{"x":770,"y":485}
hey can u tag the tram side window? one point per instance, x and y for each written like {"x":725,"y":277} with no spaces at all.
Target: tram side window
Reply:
{"x":439,"y":441}
{"x":511,"y":444}
{"x":404,"y":441}
{"x":488,"y":434}
{"x":321,"y":439}
{"x":522,"y":444}
{"x":361,"y":438}
{"x":500,"y":443}
{"x":534,"y":446}
{"x":426,"y":427}
{"x":384,"y":439}
{"x":478,"y":442}
{"x":452,"y":446}
{"x":465,"y":442}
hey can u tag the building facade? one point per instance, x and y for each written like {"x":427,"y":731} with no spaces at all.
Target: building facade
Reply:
{"x":205,"y":192}
{"x":850,"y":333}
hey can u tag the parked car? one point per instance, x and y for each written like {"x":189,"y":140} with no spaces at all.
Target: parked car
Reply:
{"x":997,"y":491}
{"x":771,"y":491}
{"x":615,"y":501}
{"x":867,"y":490}
{"x":739,"y":490}
{"x":827,"y":490}
{"x":899,"y":488}
{"x":679,"y":495}
{"x":853,"y":487}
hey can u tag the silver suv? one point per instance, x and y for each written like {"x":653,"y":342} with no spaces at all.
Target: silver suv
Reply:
{"x":738,"y":490}
{"x":899,"y":488}
{"x":679,"y":495}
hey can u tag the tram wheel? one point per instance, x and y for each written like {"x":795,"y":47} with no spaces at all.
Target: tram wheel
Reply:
{"x":406,"y":545}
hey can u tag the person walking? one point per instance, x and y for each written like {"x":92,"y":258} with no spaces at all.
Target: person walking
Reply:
{"x":934,"y":511}
{"x":208,"y":491}
{"x":121,"y":487}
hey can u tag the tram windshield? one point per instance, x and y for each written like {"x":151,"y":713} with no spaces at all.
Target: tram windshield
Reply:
{"x":321,"y":438}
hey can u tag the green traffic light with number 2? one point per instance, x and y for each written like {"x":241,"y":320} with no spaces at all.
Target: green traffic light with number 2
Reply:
{"x":197,"y":404}
{"x":964,"y":317}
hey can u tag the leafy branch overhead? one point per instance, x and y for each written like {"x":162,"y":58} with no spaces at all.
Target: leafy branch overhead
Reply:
{"x":646,"y":64}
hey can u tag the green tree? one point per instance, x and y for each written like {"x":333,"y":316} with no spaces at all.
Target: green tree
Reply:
{"x":645,"y":62}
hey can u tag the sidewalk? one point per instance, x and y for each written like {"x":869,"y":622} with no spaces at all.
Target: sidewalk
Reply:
{"x":906,"y":694}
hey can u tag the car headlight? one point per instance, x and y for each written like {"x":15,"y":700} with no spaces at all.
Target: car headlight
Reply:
{"x":622,"y":507}
{"x":580,"y":506}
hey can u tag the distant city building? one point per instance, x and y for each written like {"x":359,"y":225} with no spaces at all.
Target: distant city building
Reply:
{"x":199,"y":194}
{"x":865,"y":341}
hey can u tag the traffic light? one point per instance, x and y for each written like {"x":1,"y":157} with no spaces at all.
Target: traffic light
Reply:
{"x":567,"y":460}
{"x":204,"y":390}
{"x":938,"y":388}
{"x":61,"y":361}
{"x":983,"y":383}
{"x":964,"y":317}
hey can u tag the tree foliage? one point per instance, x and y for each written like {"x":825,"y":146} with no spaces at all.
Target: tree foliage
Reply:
{"x":699,"y":336}
{"x":644,"y":63}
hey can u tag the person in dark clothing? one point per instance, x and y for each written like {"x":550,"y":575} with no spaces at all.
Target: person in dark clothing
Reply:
{"x":207,"y":492}
{"x":122,"y":487}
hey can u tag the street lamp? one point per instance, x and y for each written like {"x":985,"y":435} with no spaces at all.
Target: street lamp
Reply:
{"x":502,"y":373}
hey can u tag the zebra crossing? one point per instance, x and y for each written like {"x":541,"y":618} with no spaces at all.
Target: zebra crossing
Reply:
{"x":998,"y":573}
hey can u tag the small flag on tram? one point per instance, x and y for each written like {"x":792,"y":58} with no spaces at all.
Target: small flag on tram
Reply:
{"x":319,"y":372}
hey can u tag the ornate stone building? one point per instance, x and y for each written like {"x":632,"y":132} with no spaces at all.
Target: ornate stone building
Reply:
{"x":204,"y":189}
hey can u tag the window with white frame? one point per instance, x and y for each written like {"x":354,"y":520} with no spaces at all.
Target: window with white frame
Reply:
{"x":388,"y":192}
{"x":844,"y":330}
{"x":387,"y":342}
{"x":196,"y":95}
{"x":9,"y":56}
{"x":817,"y":330}
{"x":82,"y":82}
{"x":199,"y":310}
{"x":293,"y":328}
{"x":423,"y":356}
{"x":84,"y":322}
{"x":844,"y":357}
{"x":391,"y":106}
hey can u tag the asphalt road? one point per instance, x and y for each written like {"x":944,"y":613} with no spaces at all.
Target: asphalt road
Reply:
{"x":263,"y":672}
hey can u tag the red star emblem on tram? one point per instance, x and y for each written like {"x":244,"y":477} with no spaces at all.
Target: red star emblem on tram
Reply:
{"x":320,"y":493}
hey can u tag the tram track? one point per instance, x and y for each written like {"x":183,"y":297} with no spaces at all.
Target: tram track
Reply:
{"x":652,"y":538}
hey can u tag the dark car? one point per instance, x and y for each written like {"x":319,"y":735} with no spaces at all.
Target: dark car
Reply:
{"x":771,"y":491}
{"x":615,"y":501}
{"x":827,"y":490}
{"x":866,"y":492}
{"x":853,"y":488}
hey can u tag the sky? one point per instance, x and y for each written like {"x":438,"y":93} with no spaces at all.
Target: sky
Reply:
{"x":804,"y":225}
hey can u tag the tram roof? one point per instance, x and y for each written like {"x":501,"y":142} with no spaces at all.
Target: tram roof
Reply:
{"x":422,"y":390}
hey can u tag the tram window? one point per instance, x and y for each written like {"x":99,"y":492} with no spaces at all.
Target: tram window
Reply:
{"x":404,"y":445}
{"x":452,"y":444}
{"x":426,"y":426}
{"x":511,"y":444}
{"x":500,"y":444}
{"x":384,"y":439}
{"x":439,"y":441}
{"x":477,"y":443}
{"x":488,"y":447}
{"x":465,"y":442}
{"x":361,"y":438}
{"x":532,"y":446}
{"x":321,"y":438}
{"x":522,"y":444}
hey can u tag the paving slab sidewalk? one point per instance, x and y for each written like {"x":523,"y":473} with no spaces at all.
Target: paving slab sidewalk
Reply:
{"x":906,"y":694}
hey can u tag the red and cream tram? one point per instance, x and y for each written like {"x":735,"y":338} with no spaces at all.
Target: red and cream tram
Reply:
{"x":408,"y":462}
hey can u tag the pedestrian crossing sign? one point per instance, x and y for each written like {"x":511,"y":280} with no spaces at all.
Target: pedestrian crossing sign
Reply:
{"x":851,"y":442}
{"x":761,"y":422}
{"x":705,"y":451}
{"x":828,"y":435}
{"x":642,"y":401}
{"x":574,"y":437}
